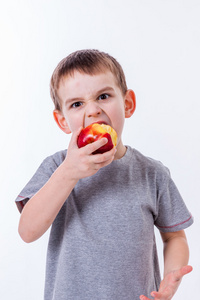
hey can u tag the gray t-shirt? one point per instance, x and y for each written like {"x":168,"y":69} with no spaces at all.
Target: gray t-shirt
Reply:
{"x":102,"y":244}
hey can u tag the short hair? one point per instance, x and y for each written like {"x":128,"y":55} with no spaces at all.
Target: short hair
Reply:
{"x":89,"y":61}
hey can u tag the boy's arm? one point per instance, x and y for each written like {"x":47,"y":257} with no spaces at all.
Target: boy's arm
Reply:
{"x":40,"y":211}
{"x":176,"y":256}
{"x":176,"y":250}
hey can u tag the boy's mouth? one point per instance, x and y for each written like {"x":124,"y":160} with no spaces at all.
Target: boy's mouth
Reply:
{"x":100,"y":122}
{"x":97,"y":122}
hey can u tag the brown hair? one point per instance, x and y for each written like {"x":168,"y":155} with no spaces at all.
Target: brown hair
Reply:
{"x":85,"y":61}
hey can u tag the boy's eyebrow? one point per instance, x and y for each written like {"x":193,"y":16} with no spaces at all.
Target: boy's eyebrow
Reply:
{"x":103,"y":90}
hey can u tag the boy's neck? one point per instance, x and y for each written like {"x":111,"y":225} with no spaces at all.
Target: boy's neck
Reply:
{"x":121,"y":151}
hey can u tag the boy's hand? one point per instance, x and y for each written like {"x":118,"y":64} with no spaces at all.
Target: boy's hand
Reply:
{"x":169,"y":284}
{"x":81,"y":162}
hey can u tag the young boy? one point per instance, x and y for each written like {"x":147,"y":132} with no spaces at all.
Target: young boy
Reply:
{"x":103,"y":207}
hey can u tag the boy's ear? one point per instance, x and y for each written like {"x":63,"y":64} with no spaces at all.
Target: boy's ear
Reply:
{"x":130,"y":103}
{"x":61,"y":122}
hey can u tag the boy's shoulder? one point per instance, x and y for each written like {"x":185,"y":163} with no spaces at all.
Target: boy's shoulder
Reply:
{"x":145,"y":162}
{"x":148,"y":170}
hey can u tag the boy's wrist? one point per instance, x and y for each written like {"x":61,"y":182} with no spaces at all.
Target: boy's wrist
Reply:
{"x":64,"y":176}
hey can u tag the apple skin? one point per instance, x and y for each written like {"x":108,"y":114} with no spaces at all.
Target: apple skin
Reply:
{"x":96,"y":131}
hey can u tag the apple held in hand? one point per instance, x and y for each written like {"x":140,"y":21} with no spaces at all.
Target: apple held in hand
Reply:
{"x":95,"y":132}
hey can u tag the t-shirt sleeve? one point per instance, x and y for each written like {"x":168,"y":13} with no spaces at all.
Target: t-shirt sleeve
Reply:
{"x":173,"y":215}
{"x":41,"y":176}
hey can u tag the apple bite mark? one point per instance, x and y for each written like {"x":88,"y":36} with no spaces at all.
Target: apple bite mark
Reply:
{"x":95,"y":132}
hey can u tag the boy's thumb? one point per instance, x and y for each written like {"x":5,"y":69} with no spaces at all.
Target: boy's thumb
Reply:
{"x":74,"y":137}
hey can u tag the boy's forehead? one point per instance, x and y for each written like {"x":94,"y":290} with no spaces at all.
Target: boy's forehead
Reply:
{"x":79,"y":78}
{"x":81,"y":84}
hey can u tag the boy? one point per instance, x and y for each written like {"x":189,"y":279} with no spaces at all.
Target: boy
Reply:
{"x":103,"y":207}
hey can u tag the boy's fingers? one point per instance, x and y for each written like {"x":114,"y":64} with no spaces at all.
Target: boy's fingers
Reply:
{"x":163,"y":295}
{"x":142,"y":297}
{"x":105,"y":157}
{"x":170,"y":290}
{"x":90,"y":148}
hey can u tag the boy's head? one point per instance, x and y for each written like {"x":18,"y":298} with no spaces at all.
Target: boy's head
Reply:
{"x":90,"y":62}
{"x":88,"y":87}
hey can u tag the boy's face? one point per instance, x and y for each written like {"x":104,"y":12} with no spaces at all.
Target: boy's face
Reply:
{"x":93,"y":98}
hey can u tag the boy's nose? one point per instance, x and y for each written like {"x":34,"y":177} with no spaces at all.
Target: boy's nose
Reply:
{"x":93,"y":110}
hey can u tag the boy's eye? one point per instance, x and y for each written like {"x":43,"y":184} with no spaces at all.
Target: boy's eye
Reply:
{"x":77,"y":104}
{"x":103,"y":97}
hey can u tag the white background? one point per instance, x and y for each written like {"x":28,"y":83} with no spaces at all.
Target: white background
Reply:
{"x":158,"y":44}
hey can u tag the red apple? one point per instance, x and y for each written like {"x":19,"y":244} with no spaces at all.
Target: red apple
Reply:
{"x":95,"y":132}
